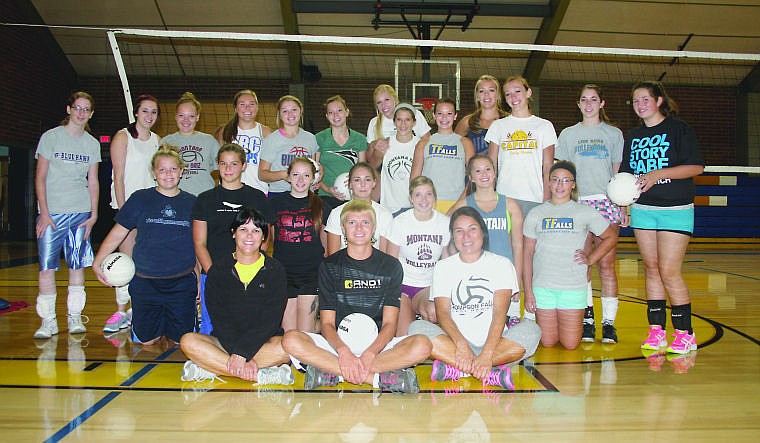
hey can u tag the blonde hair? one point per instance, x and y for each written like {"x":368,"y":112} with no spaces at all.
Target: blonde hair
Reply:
{"x":419,"y":181}
{"x":474,"y":122}
{"x":167,"y":150}
{"x":189,"y":97}
{"x":357,"y":206}
{"x":388,"y":89}
{"x":523,"y":82}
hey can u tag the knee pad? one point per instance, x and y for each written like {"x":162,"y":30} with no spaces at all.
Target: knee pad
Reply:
{"x":46,"y":305}
{"x":76,"y":300}
{"x":122,"y":294}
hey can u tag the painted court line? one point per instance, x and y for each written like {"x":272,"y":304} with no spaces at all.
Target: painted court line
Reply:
{"x":92,"y":410}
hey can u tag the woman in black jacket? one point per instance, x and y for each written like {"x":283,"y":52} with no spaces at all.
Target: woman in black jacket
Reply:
{"x":245,"y":297}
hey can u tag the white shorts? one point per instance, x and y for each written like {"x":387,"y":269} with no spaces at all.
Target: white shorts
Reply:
{"x":322,"y":343}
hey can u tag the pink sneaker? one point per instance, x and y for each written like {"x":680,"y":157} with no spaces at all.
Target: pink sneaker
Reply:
{"x":683,"y":342}
{"x":656,"y":338}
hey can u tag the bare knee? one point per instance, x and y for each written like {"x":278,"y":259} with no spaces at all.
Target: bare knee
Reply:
{"x":293,"y":342}
{"x":421,"y":347}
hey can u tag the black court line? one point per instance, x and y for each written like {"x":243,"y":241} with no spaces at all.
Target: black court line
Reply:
{"x":729,"y":273}
{"x":92,"y":410}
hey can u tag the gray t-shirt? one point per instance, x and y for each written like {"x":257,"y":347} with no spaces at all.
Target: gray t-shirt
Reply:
{"x":279,"y":151}
{"x":444,"y":164}
{"x":559,"y":231}
{"x":593,"y":149}
{"x":70,"y":158}
{"x":199,"y":154}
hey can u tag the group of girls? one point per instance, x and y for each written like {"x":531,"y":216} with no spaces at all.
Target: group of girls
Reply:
{"x":505,"y":159}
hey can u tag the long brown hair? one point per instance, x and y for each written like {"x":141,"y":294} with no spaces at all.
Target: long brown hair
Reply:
{"x":132,"y":128}
{"x":598,"y":89}
{"x":668,"y":108}
{"x":229,"y":133}
{"x":315,"y":203}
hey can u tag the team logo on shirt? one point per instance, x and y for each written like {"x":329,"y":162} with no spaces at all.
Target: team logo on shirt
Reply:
{"x":295,"y":151}
{"x":442,"y":150}
{"x":520,"y":140}
{"x":363,"y":284}
{"x":348,"y":154}
{"x":168,"y":212}
{"x":400,"y":167}
{"x":471,"y":291}
{"x":592,"y":148}
{"x":252,"y":146}
{"x":557,"y":224}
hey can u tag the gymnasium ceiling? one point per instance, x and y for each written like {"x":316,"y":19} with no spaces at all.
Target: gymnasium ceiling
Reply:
{"x":703,"y":25}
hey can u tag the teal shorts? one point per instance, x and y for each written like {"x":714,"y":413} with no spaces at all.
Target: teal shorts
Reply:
{"x":560,"y":298}
{"x":678,"y":219}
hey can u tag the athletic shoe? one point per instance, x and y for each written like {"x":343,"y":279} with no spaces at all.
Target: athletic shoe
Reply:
{"x":399,"y":381}
{"x":589,"y":332}
{"x":512,"y":321}
{"x":193,"y":372}
{"x":316,"y":377}
{"x":275,"y":375}
{"x":48,"y":329}
{"x":441,"y":371}
{"x":683,"y":362}
{"x":656,"y":338}
{"x":683,"y":342}
{"x":609,"y":333}
{"x":500,"y":376}
{"x":118,"y":321}
{"x":75,"y":323}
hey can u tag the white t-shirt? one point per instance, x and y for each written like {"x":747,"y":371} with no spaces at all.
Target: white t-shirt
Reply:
{"x":251,"y":141}
{"x":384,"y":220}
{"x":421,"y":244}
{"x":521,"y":142}
{"x":470,"y":287}
{"x":394,"y":177}
{"x":421,"y":126}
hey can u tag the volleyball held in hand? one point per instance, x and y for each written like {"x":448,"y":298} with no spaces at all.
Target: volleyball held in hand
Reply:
{"x":623,"y":189}
{"x":341,"y":185}
{"x":118,"y":269}
{"x":357,"y":331}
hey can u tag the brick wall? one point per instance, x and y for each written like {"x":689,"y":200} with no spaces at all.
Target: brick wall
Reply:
{"x":36,"y":80}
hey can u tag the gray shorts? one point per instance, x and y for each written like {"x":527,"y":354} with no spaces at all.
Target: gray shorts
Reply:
{"x":527,"y":334}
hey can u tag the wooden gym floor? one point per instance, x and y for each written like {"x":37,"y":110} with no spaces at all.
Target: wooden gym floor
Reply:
{"x":89,"y":388}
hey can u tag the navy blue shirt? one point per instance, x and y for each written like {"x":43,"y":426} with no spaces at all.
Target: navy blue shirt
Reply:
{"x":164,"y":246}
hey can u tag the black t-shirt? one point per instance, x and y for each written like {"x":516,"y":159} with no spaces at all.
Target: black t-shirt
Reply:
{"x":671,"y":143}
{"x":218,"y":207}
{"x":296,"y":244}
{"x":347,"y":285}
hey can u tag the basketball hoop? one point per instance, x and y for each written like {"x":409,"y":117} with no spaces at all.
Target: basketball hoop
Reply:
{"x":427,"y":102}
{"x":427,"y":108}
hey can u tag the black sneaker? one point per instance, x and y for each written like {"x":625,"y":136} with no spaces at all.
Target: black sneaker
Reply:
{"x":589,"y":332}
{"x":316,"y":377}
{"x":402,"y":381}
{"x":609,"y":333}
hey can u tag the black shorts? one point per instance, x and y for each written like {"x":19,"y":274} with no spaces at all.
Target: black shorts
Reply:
{"x":302,"y":284}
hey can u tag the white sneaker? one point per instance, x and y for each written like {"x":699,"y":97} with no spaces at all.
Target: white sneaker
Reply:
{"x":275,"y":375}
{"x":76,"y":325}
{"x":193,"y":372}
{"x":48,"y":329}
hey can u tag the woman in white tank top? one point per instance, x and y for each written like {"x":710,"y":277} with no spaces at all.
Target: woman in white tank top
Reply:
{"x":131,"y":151}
